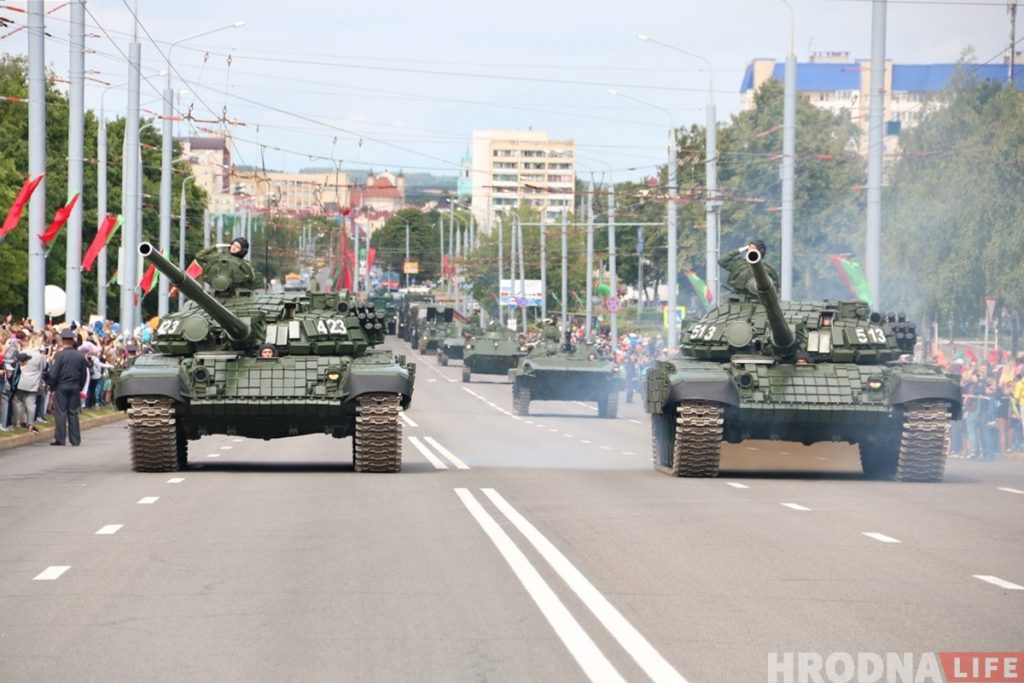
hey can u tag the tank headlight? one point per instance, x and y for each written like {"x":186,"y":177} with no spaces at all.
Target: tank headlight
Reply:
{"x":874,"y":383}
{"x":334,"y":375}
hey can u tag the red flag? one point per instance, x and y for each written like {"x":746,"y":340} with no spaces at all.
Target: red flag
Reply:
{"x":970,"y":355}
{"x":444,"y":266}
{"x":106,"y":229}
{"x":194,"y":270}
{"x":148,"y":279}
{"x":61,"y":217}
{"x":14,"y":214}
{"x":350,"y":271}
{"x":370,"y":254}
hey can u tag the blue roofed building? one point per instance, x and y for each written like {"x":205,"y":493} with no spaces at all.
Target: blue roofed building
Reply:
{"x":834,"y":81}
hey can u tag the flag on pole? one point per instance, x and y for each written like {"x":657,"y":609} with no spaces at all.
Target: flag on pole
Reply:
{"x":14,"y":214}
{"x":700,"y":288}
{"x":59,"y":219}
{"x":149,"y":278}
{"x":106,"y":230}
{"x":853,"y":277}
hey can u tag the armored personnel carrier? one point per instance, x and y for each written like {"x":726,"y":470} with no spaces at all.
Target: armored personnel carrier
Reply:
{"x":431,"y":327}
{"x":803,"y":372}
{"x":562,"y":372}
{"x":494,"y":353}
{"x":263,"y":365}
{"x":452,"y":344}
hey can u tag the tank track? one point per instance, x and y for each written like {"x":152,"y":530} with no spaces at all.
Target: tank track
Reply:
{"x":522,"y":400}
{"x":377,"y":443}
{"x":609,"y":406}
{"x":467,"y":372}
{"x":697,"y":447}
{"x":923,"y":442}
{"x":154,"y":435}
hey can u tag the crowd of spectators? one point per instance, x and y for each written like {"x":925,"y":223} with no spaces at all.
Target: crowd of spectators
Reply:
{"x":28,"y":352}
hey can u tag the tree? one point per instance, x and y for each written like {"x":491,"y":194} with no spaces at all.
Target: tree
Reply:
{"x":424,"y":243}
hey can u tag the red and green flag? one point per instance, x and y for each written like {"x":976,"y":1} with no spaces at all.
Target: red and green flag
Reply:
{"x":14,"y":214}
{"x":59,"y":219}
{"x":106,"y":230}
{"x":700,"y":288}
{"x":853,"y":277}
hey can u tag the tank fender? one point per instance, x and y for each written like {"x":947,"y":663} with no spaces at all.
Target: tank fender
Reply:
{"x":171,"y":385}
{"x":371,"y":383}
{"x":720,"y":390}
{"x":927,"y":387}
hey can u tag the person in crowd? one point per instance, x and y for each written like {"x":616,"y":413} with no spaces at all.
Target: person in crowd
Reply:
{"x":26,"y":393}
{"x":68,"y":377}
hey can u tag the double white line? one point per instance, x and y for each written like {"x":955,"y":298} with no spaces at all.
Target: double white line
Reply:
{"x":583,"y":649}
{"x":437,"y":462}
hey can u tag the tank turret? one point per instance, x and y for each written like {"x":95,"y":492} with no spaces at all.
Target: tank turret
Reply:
{"x":783,"y":338}
{"x":235,"y":327}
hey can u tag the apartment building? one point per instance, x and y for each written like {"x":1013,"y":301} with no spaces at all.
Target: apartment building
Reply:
{"x":837,"y":83}
{"x":512,"y":168}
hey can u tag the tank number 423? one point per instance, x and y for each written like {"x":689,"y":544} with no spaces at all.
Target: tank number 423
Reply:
{"x":331,"y":326}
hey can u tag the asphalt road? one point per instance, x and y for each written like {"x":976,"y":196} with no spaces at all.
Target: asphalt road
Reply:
{"x":540,"y":548}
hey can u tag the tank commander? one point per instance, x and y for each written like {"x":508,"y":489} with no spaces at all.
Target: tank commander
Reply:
{"x":224,"y":273}
{"x":741,"y":279}
{"x":268,"y":351}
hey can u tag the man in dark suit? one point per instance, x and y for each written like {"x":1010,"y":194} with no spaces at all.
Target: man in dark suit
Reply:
{"x":68,"y":377}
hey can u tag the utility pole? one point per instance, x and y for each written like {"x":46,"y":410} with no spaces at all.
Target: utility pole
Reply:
{"x":501,"y":258}
{"x":565,"y":273}
{"x":522,"y":274}
{"x":76,"y":154}
{"x":614,"y":282}
{"x":875,"y":151}
{"x":36,"y":164}
{"x":1011,"y":9}
{"x":406,"y":252}
{"x":206,"y":228}
{"x":670,"y":271}
{"x":132,"y":201}
{"x":788,"y":166}
{"x":101,"y":212}
{"x":543,"y":267}
{"x":589,"y":303}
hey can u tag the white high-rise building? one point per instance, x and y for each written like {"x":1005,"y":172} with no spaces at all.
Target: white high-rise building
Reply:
{"x":509,"y":168}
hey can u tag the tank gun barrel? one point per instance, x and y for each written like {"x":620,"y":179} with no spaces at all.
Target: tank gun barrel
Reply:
{"x":782,"y":337}
{"x":236,"y":328}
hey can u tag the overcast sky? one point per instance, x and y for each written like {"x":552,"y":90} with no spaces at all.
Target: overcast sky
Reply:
{"x":402,"y":84}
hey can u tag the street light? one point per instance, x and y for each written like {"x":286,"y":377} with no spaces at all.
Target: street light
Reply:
{"x":670,"y":271}
{"x":165,"y":165}
{"x":711,"y":202}
{"x":788,"y":161}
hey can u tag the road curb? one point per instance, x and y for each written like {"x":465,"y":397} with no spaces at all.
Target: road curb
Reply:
{"x":46,"y":433}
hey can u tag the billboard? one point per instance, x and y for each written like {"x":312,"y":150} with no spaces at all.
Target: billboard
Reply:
{"x":510,"y":297}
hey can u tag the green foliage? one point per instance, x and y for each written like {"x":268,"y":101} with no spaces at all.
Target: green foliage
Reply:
{"x":424,"y":242}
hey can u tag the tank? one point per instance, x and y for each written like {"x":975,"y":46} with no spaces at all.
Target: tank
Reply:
{"x":804,"y":372}
{"x":385,"y":301}
{"x":431,"y":328}
{"x":452,"y":344}
{"x":496,"y":352}
{"x":208,"y":373}
{"x":409,"y":313}
{"x":564,"y":372}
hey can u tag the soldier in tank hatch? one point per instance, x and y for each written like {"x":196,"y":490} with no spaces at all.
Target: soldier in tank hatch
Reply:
{"x":741,"y":279}
{"x":225,"y":269}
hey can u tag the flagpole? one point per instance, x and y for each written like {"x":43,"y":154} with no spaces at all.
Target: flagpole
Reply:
{"x":36,"y":163}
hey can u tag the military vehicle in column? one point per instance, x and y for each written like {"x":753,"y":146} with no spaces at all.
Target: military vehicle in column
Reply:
{"x":385,"y":301}
{"x":495,"y":352}
{"x":408,"y":313}
{"x":804,"y":372}
{"x":431,"y":328}
{"x":263,"y":365}
{"x":564,"y":372}
{"x":452,"y":344}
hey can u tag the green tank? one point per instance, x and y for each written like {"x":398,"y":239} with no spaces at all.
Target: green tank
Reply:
{"x":263,"y":365}
{"x":804,"y":372}
{"x":494,"y":353}
{"x":431,"y":328}
{"x":408,"y":313}
{"x":452,"y":345}
{"x":562,"y":372}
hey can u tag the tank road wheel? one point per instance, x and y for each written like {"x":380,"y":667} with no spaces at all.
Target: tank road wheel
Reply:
{"x":922,"y":446}
{"x":878,"y":458}
{"x":697,"y":443}
{"x":377,"y":443}
{"x":522,"y":400}
{"x":153,"y":434}
{"x":609,"y":406}
{"x":466,"y":373}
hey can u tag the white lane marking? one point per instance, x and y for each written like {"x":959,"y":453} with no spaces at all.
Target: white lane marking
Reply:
{"x":175,"y":480}
{"x":529,"y":422}
{"x":593,"y":662}
{"x":737,"y":485}
{"x":434,"y":460}
{"x":431,"y":379}
{"x":752,"y":448}
{"x":628,"y":453}
{"x":996,"y":581}
{"x":408,"y":420}
{"x":568,"y":436}
{"x":109,"y":529}
{"x":52,"y":573}
{"x":636,"y":422}
{"x":586,"y":405}
{"x":213,"y":455}
{"x":471,"y":392}
{"x":1009,"y":490}
{"x":148,"y":500}
{"x":452,"y":381}
{"x":225,"y":448}
{"x":552,"y":430}
{"x":880,"y":537}
{"x":238,"y":440}
{"x":606,"y":448}
{"x":642,"y":652}
{"x":795,"y":506}
{"x":459,"y":465}
{"x":584,"y":441}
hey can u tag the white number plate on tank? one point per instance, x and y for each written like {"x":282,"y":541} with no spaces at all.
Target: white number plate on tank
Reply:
{"x":331,"y":326}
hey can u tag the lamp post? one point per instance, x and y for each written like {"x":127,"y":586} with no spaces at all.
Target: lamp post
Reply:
{"x":788,"y":161}
{"x":181,"y":233}
{"x":670,"y":270}
{"x":165,"y":164}
{"x":711,"y":201}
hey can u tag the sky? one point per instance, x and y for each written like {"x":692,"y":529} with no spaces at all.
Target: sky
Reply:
{"x":402,"y":85}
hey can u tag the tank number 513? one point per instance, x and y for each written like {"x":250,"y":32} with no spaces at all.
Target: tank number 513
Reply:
{"x":872,"y":335}
{"x":331,"y":326}
{"x":703,"y":332}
